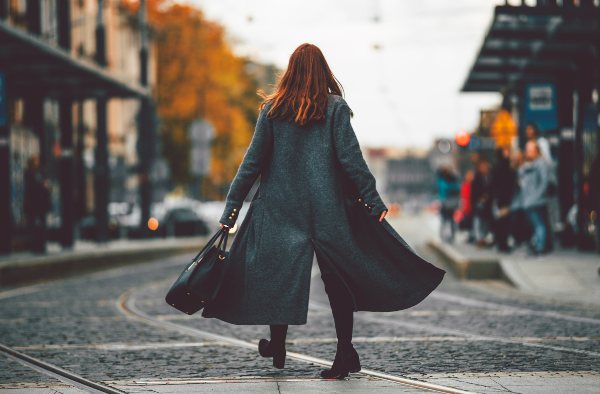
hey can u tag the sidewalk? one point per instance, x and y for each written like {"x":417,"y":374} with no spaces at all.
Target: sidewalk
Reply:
{"x":22,"y":268}
{"x":500,"y":382}
{"x":356,"y":384}
{"x":567,"y":274}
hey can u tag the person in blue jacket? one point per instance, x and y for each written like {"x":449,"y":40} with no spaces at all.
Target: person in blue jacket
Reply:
{"x":448,"y":188}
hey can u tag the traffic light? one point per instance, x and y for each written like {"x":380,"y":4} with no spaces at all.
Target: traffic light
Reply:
{"x":462,"y":139}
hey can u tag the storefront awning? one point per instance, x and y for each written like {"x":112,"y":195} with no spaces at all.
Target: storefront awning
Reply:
{"x":35,"y":67}
{"x":533,"y":42}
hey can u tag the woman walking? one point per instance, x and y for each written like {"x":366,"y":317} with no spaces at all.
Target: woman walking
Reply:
{"x":316,"y":197}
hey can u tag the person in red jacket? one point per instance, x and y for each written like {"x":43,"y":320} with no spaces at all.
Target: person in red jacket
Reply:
{"x":466,"y":210}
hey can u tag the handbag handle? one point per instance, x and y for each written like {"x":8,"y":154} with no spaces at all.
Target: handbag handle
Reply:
{"x":208,"y":244}
{"x":223,"y":240}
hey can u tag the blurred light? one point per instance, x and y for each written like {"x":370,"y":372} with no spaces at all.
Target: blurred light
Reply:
{"x":462,"y":139}
{"x":152,"y":224}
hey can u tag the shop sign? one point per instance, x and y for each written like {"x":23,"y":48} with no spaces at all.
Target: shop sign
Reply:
{"x":200,"y":133}
{"x":540,"y":106}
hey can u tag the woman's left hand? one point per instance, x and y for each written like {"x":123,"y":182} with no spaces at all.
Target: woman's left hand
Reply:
{"x":383,"y":213}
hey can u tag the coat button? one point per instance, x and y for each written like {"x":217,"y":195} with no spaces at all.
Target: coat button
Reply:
{"x":234,"y":209}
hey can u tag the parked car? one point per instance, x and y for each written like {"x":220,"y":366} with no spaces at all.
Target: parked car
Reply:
{"x":87,"y":228}
{"x":181,"y":221}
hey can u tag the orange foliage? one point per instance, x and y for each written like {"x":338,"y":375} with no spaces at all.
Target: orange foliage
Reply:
{"x":198,"y":76}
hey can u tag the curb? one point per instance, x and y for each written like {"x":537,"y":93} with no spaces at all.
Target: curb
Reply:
{"x":469,"y":268}
{"x":513,"y":275}
{"x":37,"y":268}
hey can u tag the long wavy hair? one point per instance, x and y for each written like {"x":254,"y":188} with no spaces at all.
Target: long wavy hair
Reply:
{"x":302,"y":91}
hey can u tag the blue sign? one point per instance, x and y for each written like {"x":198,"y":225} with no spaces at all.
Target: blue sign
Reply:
{"x":3,"y":101}
{"x":540,"y":106}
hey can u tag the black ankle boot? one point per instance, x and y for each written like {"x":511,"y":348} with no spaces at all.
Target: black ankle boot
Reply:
{"x":346,"y":360}
{"x":265,"y":349}
{"x":276,"y":346}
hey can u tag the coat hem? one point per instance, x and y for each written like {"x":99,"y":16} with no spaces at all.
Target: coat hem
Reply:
{"x":413,"y":300}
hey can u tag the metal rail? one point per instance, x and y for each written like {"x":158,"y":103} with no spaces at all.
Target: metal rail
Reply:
{"x":126,"y":304}
{"x":57,"y":372}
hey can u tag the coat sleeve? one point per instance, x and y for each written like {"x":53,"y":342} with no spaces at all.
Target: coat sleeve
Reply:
{"x":352,"y":161}
{"x":251,"y":166}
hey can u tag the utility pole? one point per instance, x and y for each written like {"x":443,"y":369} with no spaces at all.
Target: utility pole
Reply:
{"x":101,"y":183}
{"x":5,"y":181}
{"x":66,"y":175}
{"x":146,"y":136}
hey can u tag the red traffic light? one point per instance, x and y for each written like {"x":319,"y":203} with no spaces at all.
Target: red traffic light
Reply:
{"x":462,"y":139}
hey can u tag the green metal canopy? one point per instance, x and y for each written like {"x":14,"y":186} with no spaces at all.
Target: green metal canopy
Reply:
{"x":531,"y":42}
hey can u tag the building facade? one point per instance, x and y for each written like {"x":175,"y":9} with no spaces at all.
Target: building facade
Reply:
{"x":73,"y":93}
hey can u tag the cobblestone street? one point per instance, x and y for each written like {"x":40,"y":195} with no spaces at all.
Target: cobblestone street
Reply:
{"x":479,"y":336}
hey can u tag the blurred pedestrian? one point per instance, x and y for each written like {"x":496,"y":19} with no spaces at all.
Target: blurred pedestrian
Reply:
{"x":448,"y":194}
{"x":533,"y":181}
{"x":503,"y":187}
{"x":552,"y":211}
{"x":594,"y":192}
{"x":466,"y":210}
{"x":36,"y":204}
{"x":317,"y":196}
{"x":481,"y":201}
{"x":520,"y":230}
{"x":532,"y":133}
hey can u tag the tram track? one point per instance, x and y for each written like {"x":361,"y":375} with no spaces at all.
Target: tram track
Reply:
{"x":462,"y":333}
{"x":127,"y":305}
{"x":57,"y":372}
{"x":456,"y":299}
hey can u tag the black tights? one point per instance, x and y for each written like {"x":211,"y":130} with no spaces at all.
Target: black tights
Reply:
{"x":341,"y":307}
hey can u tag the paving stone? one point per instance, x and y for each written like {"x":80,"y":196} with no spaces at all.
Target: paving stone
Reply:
{"x":77,"y":325}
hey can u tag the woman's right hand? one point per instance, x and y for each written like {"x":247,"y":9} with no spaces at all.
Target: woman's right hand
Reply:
{"x":383,"y":213}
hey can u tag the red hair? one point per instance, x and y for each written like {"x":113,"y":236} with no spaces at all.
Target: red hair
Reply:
{"x":303,"y":90}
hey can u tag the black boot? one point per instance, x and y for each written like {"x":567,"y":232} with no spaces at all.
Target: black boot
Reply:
{"x":276,"y":346}
{"x":346,"y":360}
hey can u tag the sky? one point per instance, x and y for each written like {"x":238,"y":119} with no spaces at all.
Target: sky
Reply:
{"x":401,"y":62}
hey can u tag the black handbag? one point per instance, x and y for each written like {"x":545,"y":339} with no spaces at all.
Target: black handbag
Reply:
{"x":200,"y":281}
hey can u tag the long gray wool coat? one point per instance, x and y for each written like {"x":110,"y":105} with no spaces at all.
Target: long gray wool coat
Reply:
{"x":316,"y":195}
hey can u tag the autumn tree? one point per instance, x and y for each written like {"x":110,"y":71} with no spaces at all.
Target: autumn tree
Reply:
{"x":199,"y":76}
